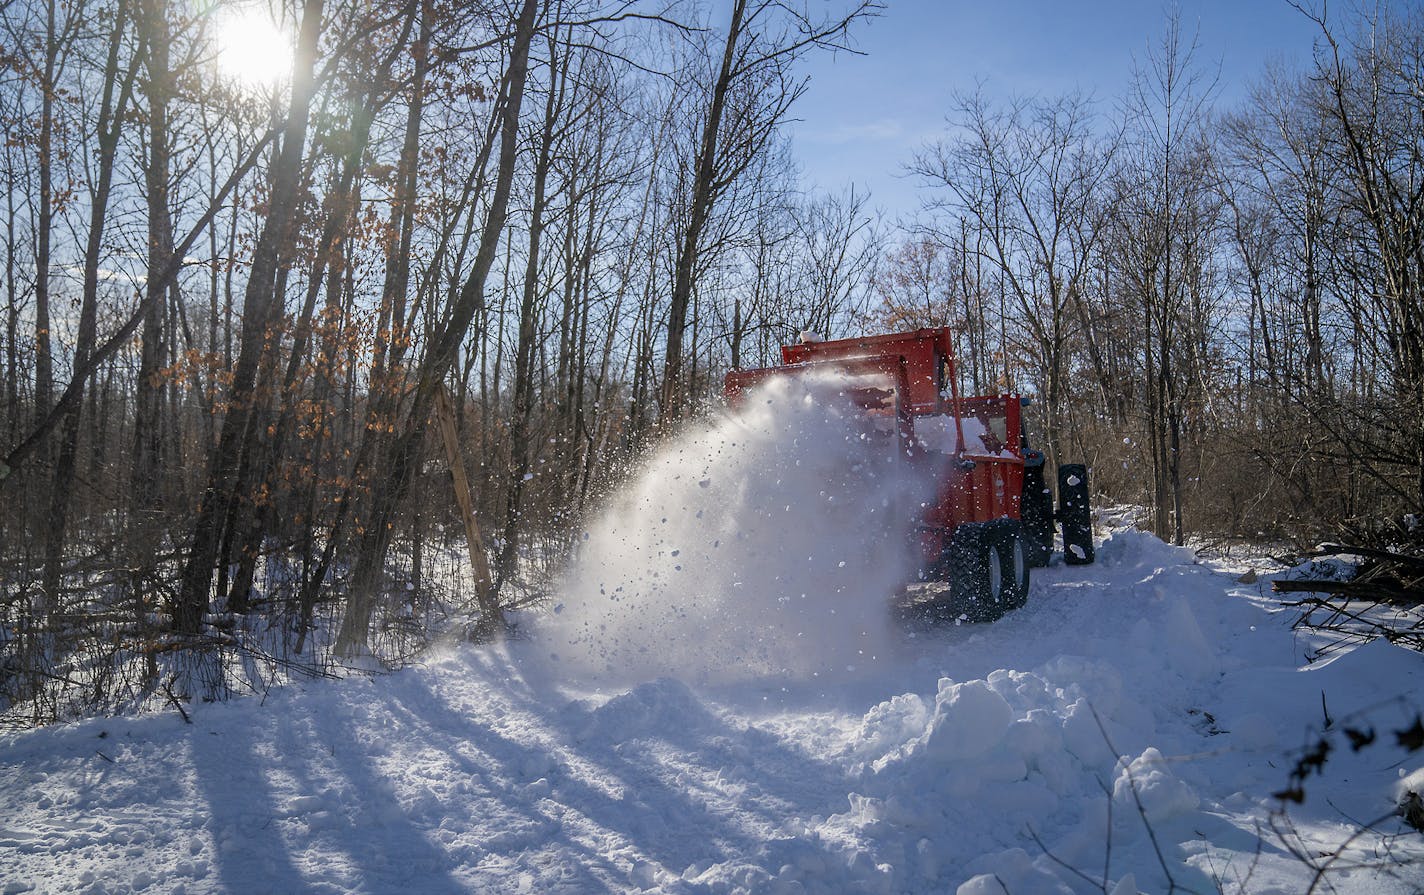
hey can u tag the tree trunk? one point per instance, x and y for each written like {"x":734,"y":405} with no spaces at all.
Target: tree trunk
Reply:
{"x":44,"y":362}
{"x":143,"y":488}
{"x":699,"y":210}
{"x":524,"y":360}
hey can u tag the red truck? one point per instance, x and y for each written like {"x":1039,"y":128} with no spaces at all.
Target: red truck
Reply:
{"x":990,"y":516}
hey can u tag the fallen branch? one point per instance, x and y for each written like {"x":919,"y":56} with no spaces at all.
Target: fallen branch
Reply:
{"x":1405,"y":559}
{"x":177,"y":703}
{"x":1354,"y":589}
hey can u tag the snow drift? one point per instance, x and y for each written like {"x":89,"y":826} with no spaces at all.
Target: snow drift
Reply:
{"x":766,"y":541}
{"x":1034,"y":755}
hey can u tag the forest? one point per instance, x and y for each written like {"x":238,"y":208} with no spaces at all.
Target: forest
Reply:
{"x":268,"y":332}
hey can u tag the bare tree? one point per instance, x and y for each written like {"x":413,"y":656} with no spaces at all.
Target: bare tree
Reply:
{"x":748,"y":97}
{"x":1030,"y":178}
{"x":838,"y":242}
{"x":260,"y":305}
{"x":1165,"y":185}
{"x":1375,"y":121}
{"x":400,"y":458}
{"x":117,"y":91}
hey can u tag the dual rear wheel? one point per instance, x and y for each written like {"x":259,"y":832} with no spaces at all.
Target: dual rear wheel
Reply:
{"x":990,"y":569}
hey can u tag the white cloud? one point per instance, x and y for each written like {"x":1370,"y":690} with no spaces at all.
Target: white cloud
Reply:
{"x":881,"y":130}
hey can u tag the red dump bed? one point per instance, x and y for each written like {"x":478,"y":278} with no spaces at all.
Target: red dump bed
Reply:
{"x":967,"y":449}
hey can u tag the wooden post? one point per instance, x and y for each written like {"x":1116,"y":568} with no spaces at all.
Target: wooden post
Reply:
{"x":493,"y":619}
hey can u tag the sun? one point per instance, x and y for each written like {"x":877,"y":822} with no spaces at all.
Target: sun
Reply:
{"x":252,"y":50}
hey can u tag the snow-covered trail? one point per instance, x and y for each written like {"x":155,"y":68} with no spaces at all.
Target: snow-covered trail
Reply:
{"x":930,"y":769}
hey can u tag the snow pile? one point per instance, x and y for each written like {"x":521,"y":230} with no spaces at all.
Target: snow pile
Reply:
{"x":763,"y":542}
{"x":644,"y":711}
{"x":1028,"y":745}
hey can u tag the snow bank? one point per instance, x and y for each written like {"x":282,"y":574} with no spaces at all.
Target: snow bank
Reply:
{"x":763,"y":542}
{"x":1128,"y":547}
{"x":1031,"y":745}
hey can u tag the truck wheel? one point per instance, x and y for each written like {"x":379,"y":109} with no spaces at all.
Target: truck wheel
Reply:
{"x":1014,"y":557}
{"x":1036,"y":513}
{"x":1074,"y":513}
{"x":978,"y":586}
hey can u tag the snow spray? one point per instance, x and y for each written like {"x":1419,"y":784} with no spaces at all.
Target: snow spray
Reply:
{"x":767,"y":541}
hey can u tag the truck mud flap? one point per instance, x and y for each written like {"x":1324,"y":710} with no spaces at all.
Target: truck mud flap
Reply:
{"x":1036,"y":511}
{"x":1074,"y":514}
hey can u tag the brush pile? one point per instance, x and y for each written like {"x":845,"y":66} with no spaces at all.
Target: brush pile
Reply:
{"x":1372,"y":587}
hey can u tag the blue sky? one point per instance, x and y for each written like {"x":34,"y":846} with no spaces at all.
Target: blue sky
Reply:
{"x":864,"y":116}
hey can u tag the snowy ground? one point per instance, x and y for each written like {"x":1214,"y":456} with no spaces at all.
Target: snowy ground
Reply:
{"x":968,"y":758}
{"x":723,"y":701}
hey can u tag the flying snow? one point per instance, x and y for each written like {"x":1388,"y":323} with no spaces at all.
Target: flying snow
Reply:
{"x":767,"y":541}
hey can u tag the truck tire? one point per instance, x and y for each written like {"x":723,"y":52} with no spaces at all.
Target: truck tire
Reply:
{"x":1013,"y":554}
{"x":1036,"y":513}
{"x":1075,"y":514}
{"x":978,"y":585}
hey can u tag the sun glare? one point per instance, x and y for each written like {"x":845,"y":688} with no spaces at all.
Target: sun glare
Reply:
{"x":252,"y":50}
